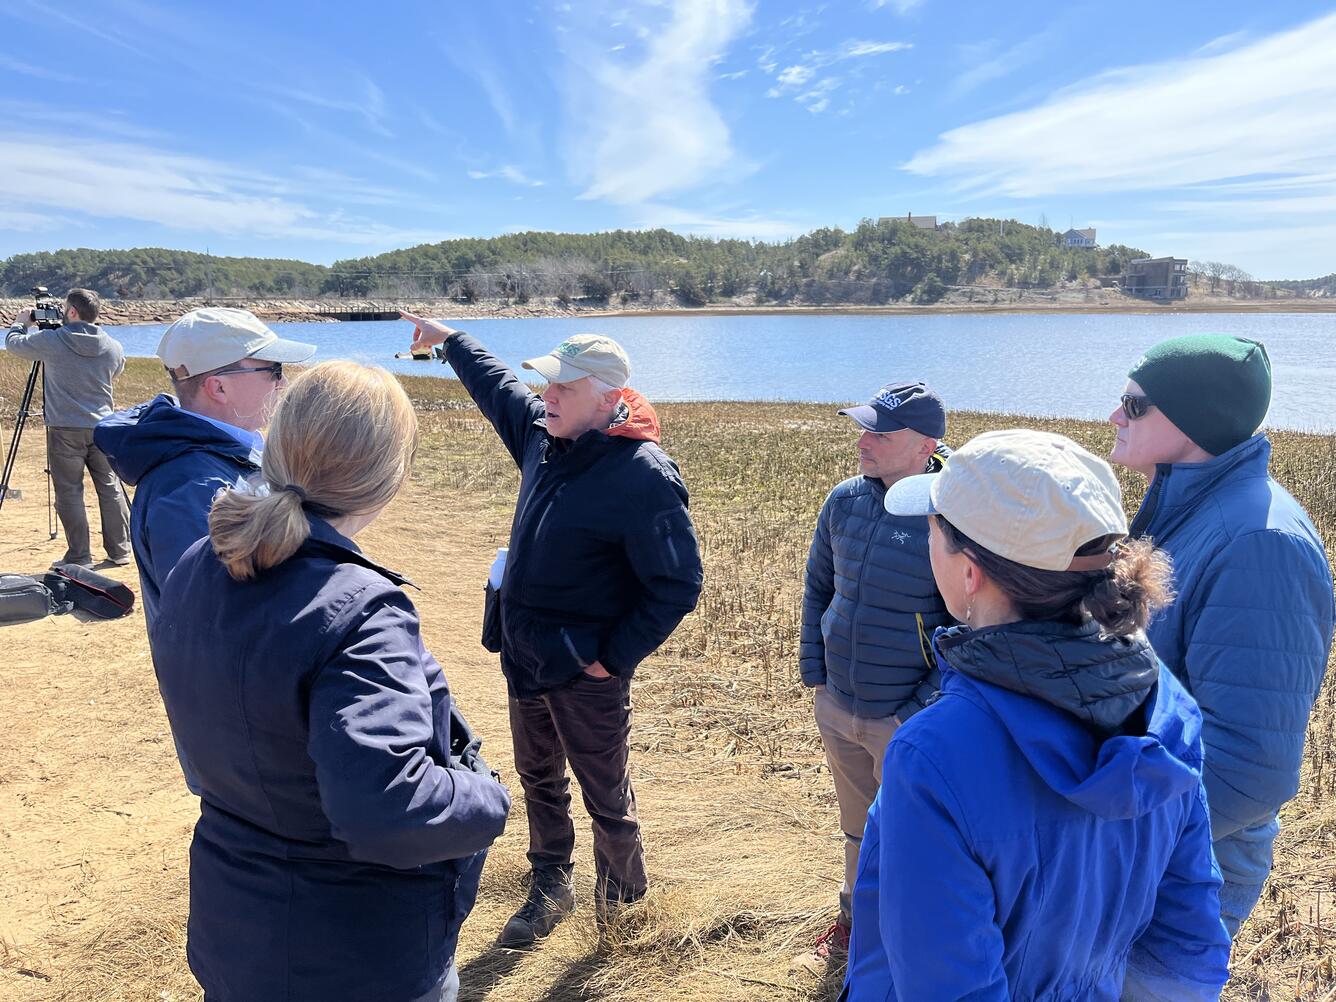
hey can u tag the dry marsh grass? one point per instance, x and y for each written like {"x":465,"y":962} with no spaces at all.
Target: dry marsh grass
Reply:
{"x":720,"y":707}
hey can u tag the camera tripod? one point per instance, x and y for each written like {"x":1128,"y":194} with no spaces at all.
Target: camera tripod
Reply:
{"x":25,"y":406}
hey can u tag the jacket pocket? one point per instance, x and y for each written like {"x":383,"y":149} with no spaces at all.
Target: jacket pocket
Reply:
{"x":565,"y":651}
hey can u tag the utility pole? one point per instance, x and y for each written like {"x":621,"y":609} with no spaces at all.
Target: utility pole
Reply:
{"x":208,"y":272}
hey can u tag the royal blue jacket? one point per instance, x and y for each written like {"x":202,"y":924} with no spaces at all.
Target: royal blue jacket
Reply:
{"x":1041,"y":832}
{"x":1248,"y":634}
{"x":603,"y":560}
{"x":870,"y":605}
{"x":344,"y":811}
{"x":177,"y":462}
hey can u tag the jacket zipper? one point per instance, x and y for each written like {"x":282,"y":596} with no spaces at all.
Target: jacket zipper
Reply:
{"x":1152,"y":502}
{"x":538,"y":529}
{"x":925,"y":645}
{"x":858,"y":608}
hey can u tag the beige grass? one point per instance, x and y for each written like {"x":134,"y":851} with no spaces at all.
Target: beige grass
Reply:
{"x":740,"y":820}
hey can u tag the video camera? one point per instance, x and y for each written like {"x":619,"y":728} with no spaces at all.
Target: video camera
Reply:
{"x":48,"y":312}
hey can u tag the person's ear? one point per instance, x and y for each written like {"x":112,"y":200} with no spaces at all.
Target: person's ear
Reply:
{"x":214,"y":389}
{"x":974,"y":577}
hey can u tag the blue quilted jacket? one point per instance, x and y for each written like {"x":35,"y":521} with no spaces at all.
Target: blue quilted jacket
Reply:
{"x":1248,"y":634}
{"x":870,"y":605}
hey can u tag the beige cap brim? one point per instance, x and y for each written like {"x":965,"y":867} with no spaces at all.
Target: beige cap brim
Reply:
{"x":912,"y":496}
{"x":283,"y":350}
{"x":554,"y":369}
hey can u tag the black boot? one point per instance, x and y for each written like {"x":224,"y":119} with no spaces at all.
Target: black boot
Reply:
{"x":551,"y":898}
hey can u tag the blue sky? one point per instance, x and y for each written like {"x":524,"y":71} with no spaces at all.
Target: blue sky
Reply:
{"x":327,"y":131}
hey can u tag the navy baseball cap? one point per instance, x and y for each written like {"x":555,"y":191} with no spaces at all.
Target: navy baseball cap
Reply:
{"x":902,"y":405}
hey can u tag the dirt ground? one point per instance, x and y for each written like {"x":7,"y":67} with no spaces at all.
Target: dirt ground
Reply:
{"x":95,"y":819}
{"x":740,"y":820}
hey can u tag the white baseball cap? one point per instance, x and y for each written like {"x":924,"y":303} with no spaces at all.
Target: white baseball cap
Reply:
{"x":1032,"y":497}
{"x":583,"y":355}
{"x":217,"y":336}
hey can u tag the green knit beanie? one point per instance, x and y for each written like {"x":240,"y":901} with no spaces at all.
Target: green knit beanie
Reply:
{"x":1215,"y":388}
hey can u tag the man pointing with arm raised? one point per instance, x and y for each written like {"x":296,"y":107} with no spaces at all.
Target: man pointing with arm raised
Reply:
{"x":603,"y":565}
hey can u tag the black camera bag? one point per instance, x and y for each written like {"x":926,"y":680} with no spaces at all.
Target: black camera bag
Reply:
{"x":24,"y":599}
{"x":93,"y":593}
{"x":491,"y":619}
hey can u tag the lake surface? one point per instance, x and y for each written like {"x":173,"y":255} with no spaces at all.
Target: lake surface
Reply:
{"x":1071,"y":365}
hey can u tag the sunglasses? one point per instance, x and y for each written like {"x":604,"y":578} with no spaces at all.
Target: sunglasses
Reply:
{"x":275,"y":370}
{"x":1135,"y":407}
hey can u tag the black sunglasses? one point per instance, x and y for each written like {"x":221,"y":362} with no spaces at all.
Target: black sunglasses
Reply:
{"x":275,"y":370}
{"x":1135,"y":407}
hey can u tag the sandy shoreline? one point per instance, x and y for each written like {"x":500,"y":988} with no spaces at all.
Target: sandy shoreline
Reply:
{"x":1063,"y":301}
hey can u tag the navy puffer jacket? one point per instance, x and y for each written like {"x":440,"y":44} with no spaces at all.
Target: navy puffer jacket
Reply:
{"x":870,"y":605}
{"x":603,"y":561}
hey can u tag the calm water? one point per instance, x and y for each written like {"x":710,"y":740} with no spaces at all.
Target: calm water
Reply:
{"x":1071,"y":365}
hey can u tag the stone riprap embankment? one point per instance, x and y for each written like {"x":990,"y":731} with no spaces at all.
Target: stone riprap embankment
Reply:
{"x":958,"y":300}
{"x":158,"y":311}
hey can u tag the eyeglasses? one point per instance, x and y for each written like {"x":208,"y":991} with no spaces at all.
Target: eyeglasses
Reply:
{"x":275,"y":370}
{"x":1135,"y":407}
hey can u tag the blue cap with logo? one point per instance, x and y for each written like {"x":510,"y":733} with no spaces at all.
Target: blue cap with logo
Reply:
{"x":902,"y":405}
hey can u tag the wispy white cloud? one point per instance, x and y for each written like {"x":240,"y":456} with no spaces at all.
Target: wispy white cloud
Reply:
{"x":1222,"y":144}
{"x":745,"y":226}
{"x":510,"y":173}
{"x":792,"y":77}
{"x":476,"y":63}
{"x":645,"y":121}
{"x":794,"y":80}
{"x":1266,"y":109}
{"x":32,"y":117}
{"x":18,"y":221}
{"x":899,"y":6}
{"x":856,"y":49}
{"x":816,"y":99}
{"x":108,"y":31}
{"x":369,"y":106}
{"x":1223,"y":42}
{"x":131,"y":181}
{"x":33,"y":68}
{"x":986,"y":64}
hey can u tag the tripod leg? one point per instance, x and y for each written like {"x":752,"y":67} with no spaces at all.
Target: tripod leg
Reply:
{"x":19,"y":421}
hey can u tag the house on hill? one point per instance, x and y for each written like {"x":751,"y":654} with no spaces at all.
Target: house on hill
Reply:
{"x":922,"y":222}
{"x":1156,"y":278}
{"x":1079,"y":238}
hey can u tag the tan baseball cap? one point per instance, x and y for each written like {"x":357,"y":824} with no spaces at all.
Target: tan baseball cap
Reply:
{"x":583,"y":355}
{"x":1030,"y":496}
{"x":217,"y":336}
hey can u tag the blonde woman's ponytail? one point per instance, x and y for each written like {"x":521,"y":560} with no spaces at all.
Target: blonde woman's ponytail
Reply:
{"x":253,"y":532}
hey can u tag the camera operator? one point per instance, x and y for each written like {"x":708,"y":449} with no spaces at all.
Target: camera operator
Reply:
{"x":80,"y":362}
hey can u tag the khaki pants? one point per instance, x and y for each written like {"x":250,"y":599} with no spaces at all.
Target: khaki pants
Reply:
{"x":69,"y":451}
{"x":855,"y":747}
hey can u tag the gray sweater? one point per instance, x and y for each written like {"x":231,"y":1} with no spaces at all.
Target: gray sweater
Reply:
{"x":79,"y":362}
